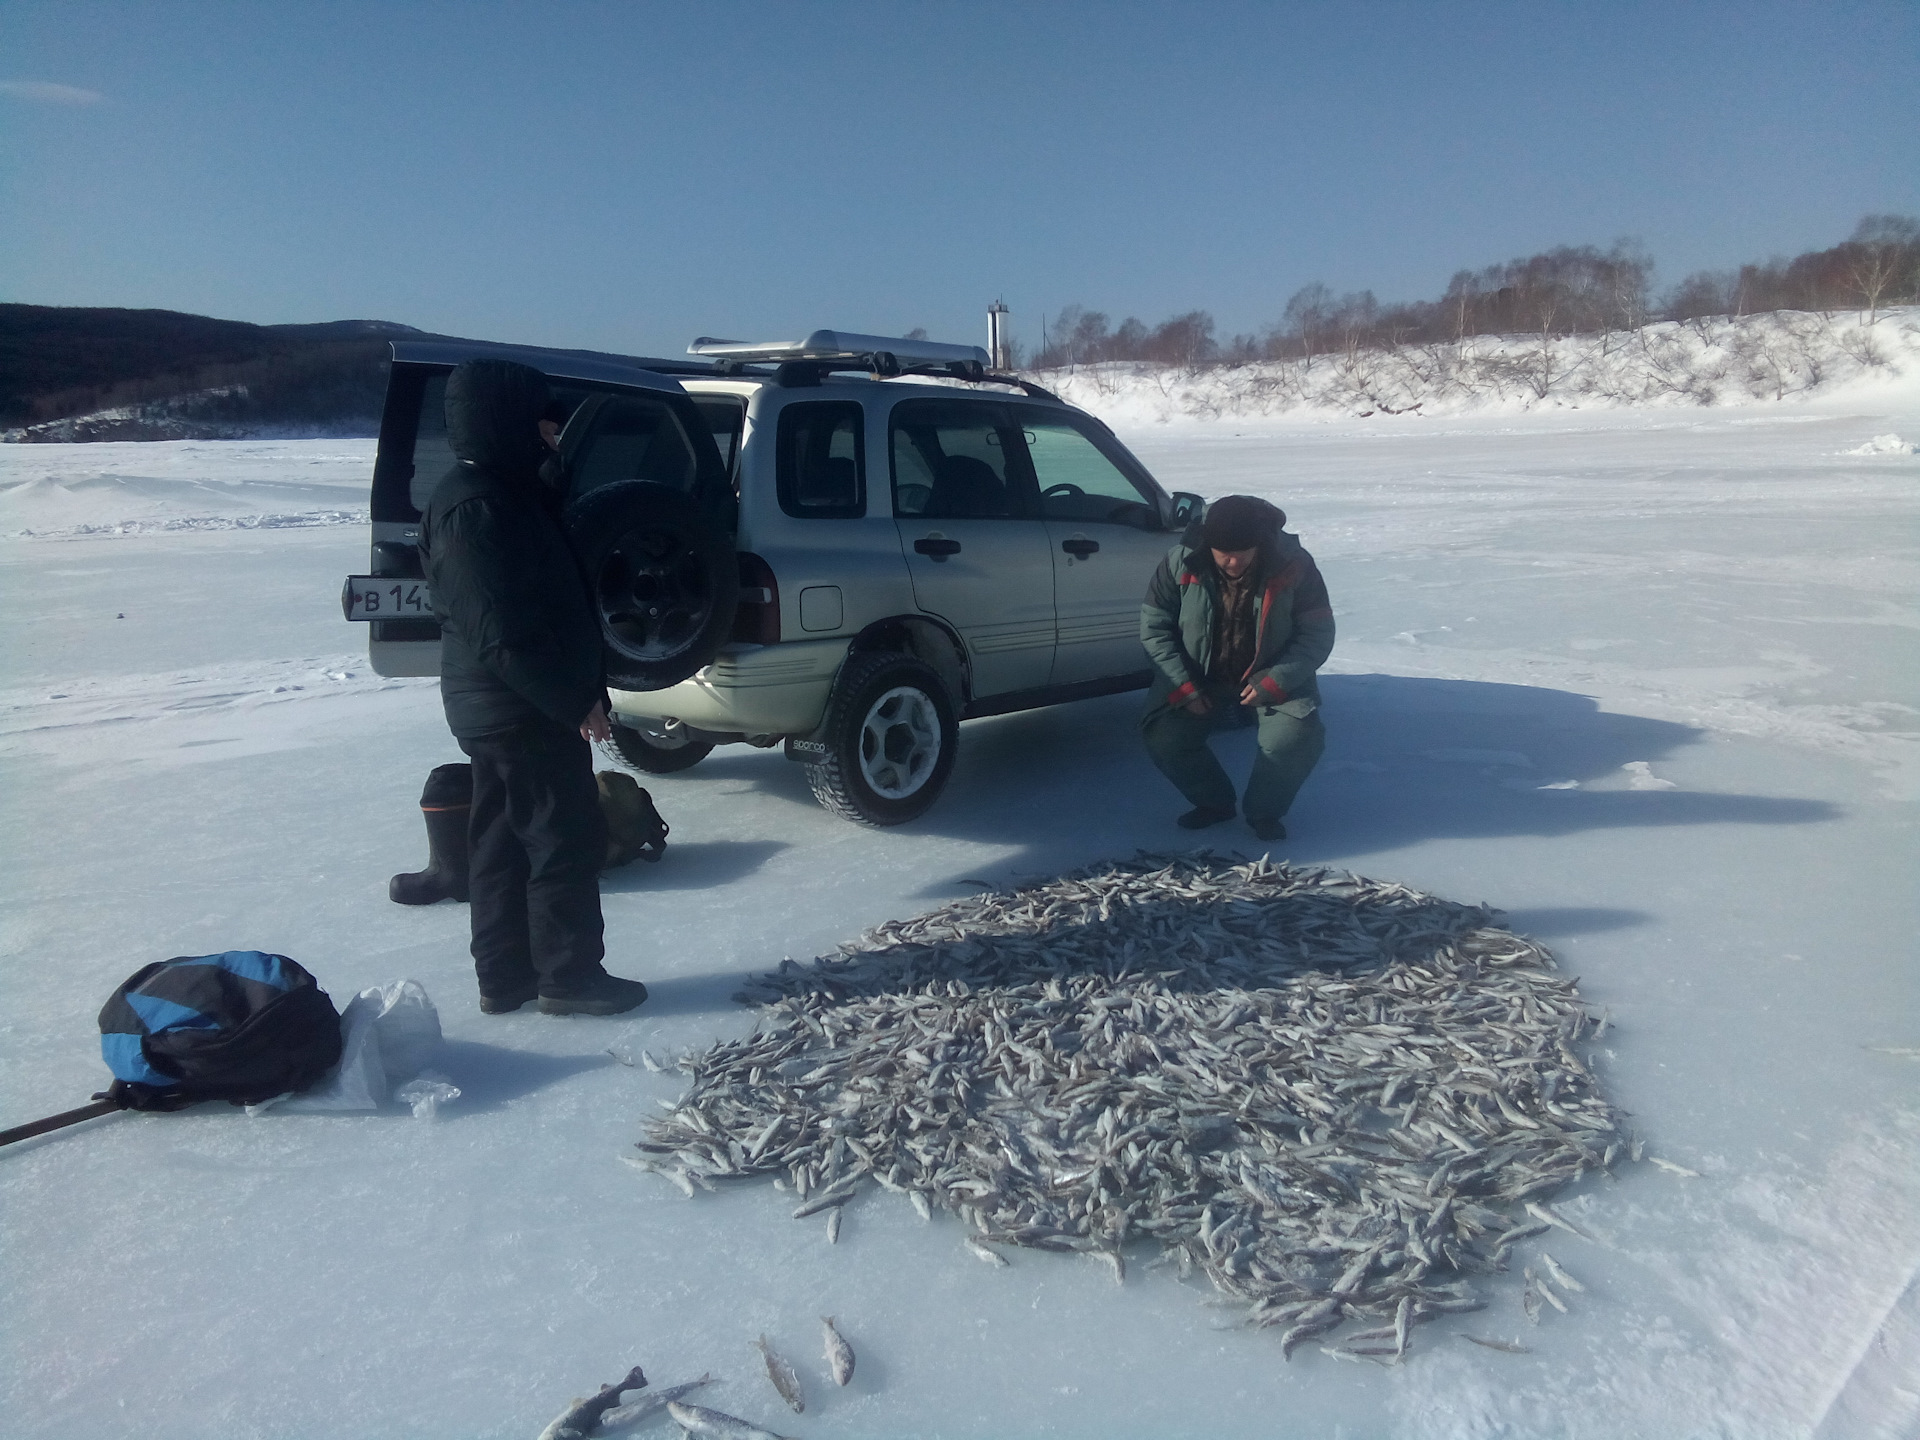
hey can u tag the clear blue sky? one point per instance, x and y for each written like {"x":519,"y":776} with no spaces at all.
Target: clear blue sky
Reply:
{"x":625,"y":176}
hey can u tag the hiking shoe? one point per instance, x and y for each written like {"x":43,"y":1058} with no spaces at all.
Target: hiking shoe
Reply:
{"x":1201,"y":816}
{"x":511,"y":1001}
{"x":1268,"y":830}
{"x":603,"y":995}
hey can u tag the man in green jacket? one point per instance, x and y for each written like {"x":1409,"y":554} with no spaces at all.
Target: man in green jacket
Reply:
{"x":1236,"y":623}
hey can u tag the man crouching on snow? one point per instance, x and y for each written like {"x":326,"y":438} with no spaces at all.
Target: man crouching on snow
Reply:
{"x":521,"y":682}
{"x":1236,"y":623}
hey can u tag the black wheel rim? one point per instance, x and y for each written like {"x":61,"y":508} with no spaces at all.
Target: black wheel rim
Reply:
{"x":655,"y":593}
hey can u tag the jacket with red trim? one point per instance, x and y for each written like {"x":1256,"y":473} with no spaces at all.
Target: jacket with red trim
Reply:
{"x":1295,"y":633}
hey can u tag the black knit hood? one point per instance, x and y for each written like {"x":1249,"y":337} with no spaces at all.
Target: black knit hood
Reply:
{"x":493,"y":416}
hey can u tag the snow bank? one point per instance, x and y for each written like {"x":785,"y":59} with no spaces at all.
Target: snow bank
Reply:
{"x":1717,"y":361}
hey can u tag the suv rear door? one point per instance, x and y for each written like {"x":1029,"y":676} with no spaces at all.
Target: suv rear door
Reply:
{"x":971,"y":531}
{"x":413,"y":456}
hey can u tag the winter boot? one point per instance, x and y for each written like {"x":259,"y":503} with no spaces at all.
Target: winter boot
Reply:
{"x":445,"y":803}
{"x":602,"y":995}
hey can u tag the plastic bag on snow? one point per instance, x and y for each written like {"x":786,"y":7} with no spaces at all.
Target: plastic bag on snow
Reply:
{"x":389,"y":1034}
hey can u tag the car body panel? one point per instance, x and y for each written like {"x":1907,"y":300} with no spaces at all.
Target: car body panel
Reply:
{"x":752,"y":690}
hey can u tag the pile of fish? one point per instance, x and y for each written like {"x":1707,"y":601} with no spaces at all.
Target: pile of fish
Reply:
{"x":1336,"y":1098}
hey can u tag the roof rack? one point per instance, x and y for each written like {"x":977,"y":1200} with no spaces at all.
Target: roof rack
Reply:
{"x":824,"y":352}
{"x":832,"y":345}
{"x":806,"y":362}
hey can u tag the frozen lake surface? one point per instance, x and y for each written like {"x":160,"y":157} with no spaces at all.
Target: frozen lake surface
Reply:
{"x":1647,"y":681}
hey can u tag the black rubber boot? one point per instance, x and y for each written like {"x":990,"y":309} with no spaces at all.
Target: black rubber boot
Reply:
{"x":444,"y":804}
{"x":602,"y":995}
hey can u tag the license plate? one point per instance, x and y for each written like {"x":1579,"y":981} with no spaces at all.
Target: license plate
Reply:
{"x":382,"y":597}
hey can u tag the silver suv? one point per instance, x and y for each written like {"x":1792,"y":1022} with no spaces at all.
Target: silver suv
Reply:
{"x":845,"y":545}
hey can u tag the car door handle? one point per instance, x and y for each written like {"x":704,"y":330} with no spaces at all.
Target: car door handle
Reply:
{"x":937,"y":546}
{"x":1079,"y":548}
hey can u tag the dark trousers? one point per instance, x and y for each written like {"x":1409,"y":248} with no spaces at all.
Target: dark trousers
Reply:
{"x":537,"y":840}
{"x":1285,"y":752}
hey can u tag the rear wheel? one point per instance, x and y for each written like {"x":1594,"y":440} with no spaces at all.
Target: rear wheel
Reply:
{"x":657,"y":747}
{"x":890,"y":737}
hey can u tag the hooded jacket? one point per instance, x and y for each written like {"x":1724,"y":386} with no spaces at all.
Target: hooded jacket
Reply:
{"x":519,"y":638}
{"x":1294,"y":622}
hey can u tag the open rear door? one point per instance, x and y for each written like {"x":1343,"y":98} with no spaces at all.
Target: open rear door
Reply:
{"x":413,"y":456}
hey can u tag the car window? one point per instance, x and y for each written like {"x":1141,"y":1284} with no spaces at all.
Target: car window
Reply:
{"x":820,"y":459}
{"x":952,"y":461}
{"x":610,"y":438}
{"x":726,"y":417}
{"x":1076,"y":481}
{"x":431,"y":457}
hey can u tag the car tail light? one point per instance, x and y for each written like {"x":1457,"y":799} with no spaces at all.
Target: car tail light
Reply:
{"x":756,"y":620}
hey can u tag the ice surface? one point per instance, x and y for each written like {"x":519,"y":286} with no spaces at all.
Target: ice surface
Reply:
{"x":1718,"y":598}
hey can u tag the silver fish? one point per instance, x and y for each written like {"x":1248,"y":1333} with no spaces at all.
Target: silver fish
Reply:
{"x":1544,"y":1212}
{"x":839,"y":1352}
{"x":985,"y":1252}
{"x":1560,"y":1277}
{"x":716,"y":1424}
{"x":1511,"y":1349}
{"x":580,"y":1418}
{"x":785,"y":1379}
{"x":648,"y":1405}
{"x":837,"y":1194}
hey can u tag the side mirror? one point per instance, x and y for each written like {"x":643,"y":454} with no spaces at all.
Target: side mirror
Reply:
{"x":1187,"y":508}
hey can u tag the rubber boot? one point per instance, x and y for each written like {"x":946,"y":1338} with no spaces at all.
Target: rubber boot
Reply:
{"x":444,"y":804}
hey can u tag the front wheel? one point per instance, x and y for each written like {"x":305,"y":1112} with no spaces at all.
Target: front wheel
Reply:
{"x":657,"y":748}
{"x":890,"y":738}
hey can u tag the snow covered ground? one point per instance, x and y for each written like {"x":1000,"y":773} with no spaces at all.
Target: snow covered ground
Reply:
{"x":1647,"y":679}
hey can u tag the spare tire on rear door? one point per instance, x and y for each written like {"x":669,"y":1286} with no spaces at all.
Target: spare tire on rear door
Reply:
{"x":664,"y":581}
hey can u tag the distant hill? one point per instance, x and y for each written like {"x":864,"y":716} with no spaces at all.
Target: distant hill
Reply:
{"x":74,"y":373}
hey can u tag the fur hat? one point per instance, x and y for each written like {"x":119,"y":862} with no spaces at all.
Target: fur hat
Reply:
{"x":1240,"y":522}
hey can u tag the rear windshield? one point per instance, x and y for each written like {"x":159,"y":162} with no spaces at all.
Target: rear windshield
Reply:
{"x":611,"y":438}
{"x":607,"y":435}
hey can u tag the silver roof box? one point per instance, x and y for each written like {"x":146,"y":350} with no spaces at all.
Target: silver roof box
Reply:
{"x":839,"y":345}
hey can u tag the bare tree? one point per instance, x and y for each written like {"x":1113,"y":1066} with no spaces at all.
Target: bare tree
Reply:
{"x":1307,"y":316}
{"x":1885,"y":251}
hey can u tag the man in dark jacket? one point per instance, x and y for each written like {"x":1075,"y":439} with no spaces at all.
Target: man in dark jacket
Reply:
{"x":1236,"y":622}
{"x":521,"y":682}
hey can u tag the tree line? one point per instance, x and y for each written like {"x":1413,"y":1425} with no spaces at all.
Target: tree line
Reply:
{"x":1570,"y":290}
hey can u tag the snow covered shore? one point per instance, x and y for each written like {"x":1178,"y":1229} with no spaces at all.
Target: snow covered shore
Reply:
{"x":1714,"y":361}
{"x":1648,"y":679}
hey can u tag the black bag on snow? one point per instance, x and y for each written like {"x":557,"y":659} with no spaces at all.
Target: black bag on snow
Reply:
{"x":243,"y":1026}
{"x":634,"y":828}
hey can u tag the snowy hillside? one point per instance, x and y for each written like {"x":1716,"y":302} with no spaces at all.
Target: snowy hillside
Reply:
{"x":1646,"y":678}
{"x":1782,"y":355}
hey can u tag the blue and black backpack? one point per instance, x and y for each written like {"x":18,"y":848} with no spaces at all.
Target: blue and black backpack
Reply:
{"x":244,"y":1026}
